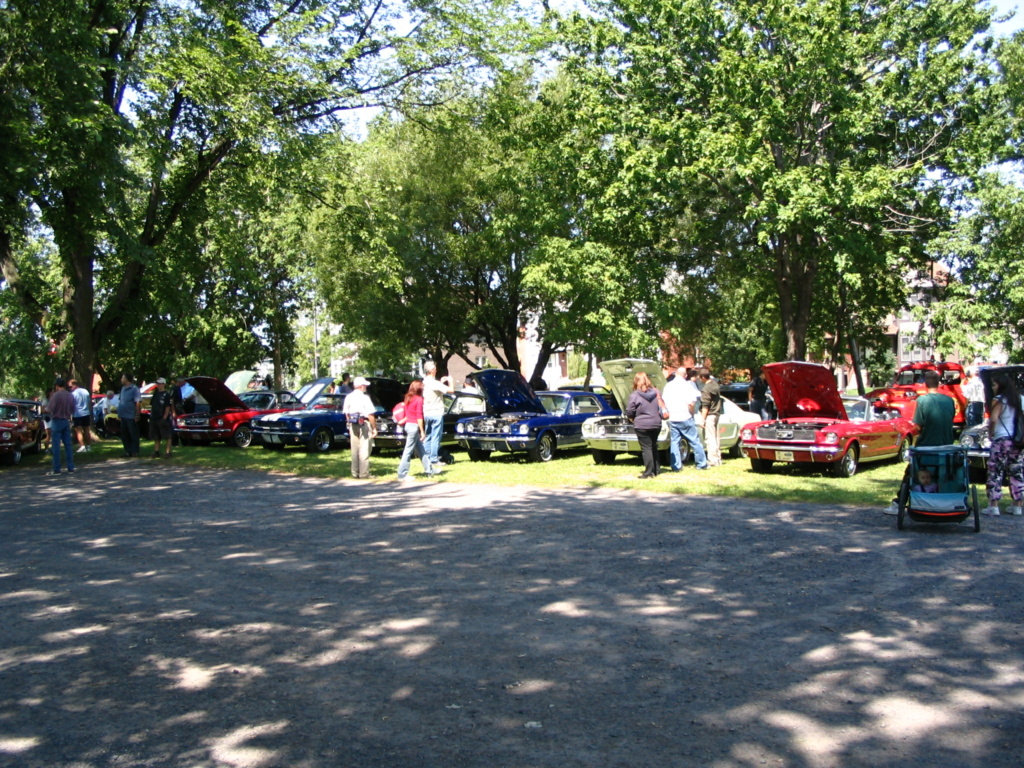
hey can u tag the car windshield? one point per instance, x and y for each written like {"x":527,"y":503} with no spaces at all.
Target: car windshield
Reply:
{"x":258,"y":400}
{"x":554,"y":404}
{"x":465,"y":404}
{"x":856,"y":409}
{"x":8,"y":413}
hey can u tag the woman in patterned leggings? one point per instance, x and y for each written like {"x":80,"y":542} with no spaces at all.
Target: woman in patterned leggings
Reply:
{"x":1004,"y":459}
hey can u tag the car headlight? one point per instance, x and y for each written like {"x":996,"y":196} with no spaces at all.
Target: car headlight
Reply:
{"x":747,"y":434}
{"x":831,"y":438}
{"x":986,"y":443}
{"x":524,"y":429}
{"x":460,"y":428}
{"x":588,"y":430}
{"x":296,"y":424}
{"x":968,"y":441}
{"x":506,"y":428}
{"x":252,"y":423}
{"x":5,"y":436}
{"x":218,"y":423}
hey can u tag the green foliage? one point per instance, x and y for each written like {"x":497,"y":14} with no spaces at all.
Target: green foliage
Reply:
{"x":796,"y":145}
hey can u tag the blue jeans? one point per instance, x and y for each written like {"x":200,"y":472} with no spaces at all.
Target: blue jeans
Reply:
{"x":413,"y":444}
{"x":130,"y":436}
{"x":60,"y":432}
{"x":432,"y":442}
{"x":685,"y":430}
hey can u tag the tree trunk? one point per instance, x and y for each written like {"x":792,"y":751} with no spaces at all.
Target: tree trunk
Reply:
{"x":794,"y":279}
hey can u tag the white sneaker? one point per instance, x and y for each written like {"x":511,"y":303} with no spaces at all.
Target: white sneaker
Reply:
{"x":81,"y":449}
{"x":1016,"y":511}
{"x":991,"y":511}
{"x":892,"y":509}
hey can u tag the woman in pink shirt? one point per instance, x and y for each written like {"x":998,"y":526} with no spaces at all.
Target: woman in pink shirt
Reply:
{"x":414,"y":432}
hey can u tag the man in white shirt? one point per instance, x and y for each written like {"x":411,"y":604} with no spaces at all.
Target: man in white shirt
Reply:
{"x":83,"y":415}
{"x":681,"y":397}
{"x":360,"y":413}
{"x":433,"y":410}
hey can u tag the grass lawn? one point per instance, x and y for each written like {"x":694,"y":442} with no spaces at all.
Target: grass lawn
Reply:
{"x":874,"y":485}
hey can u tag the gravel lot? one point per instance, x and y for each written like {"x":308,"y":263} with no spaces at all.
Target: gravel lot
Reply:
{"x":157,"y":615}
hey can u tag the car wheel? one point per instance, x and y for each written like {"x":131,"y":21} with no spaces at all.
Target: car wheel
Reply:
{"x":545,"y":448}
{"x":904,"y":450}
{"x":14,"y":457}
{"x":846,"y":466}
{"x":476,"y":454}
{"x":736,"y":452}
{"x":321,"y":441}
{"x":242,"y":437}
{"x":603,"y":457}
{"x":761,"y":465}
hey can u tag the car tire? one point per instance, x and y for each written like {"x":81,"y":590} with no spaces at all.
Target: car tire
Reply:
{"x":847,"y":465}
{"x":603,"y":457}
{"x":544,"y":450}
{"x":736,"y":452}
{"x":321,"y":441}
{"x":903,"y":453}
{"x":14,"y":457}
{"x":242,"y":437}
{"x":478,"y":454}
{"x":761,"y":466}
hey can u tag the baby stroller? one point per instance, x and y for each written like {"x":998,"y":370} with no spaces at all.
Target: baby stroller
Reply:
{"x":936,"y":488}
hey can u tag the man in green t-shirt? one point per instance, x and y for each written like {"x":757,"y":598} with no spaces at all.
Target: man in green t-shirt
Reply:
{"x":934,"y":414}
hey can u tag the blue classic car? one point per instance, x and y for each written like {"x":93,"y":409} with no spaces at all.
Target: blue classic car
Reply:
{"x":320,"y":426}
{"x":519,"y":419}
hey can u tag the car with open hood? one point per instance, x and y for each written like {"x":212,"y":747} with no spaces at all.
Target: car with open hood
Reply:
{"x":517,"y":419}
{"x":816,"y":426}
{"x":908,"y":385}
{"x":21,"y":429}
{"x":608,"y":436}
{"x":230,"y":415}
{"x":320,"y":424}
{"x":977,"y":439}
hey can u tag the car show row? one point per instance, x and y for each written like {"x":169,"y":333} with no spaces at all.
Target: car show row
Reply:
{"x":813,"y":426}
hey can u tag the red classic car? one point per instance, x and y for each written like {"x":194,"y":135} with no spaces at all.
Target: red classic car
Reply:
{"x":909,"y":384}
{"x":21,"y":430}
{"x":817,"y":426}
{"x":230,"y":415}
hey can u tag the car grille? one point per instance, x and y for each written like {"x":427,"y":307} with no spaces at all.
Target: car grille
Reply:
{"x":195,"y":422}
{"x":276,"y":429}
{"x":783,"y":432}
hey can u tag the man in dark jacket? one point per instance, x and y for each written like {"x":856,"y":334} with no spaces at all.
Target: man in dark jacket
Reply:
{"x":711,"y":411}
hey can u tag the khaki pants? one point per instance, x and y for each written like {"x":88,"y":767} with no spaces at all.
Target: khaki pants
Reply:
{"x":362,"y":444}
{"x":714,"y":448}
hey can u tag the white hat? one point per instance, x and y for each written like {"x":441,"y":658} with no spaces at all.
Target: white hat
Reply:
{"x":161,"y":380}
{"x":360,"y":382}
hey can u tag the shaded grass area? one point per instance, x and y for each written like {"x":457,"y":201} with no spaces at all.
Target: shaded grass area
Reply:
{"x":874,"y":485}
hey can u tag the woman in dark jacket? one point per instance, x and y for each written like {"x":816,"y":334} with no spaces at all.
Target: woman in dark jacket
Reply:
{"x":644,"y":410}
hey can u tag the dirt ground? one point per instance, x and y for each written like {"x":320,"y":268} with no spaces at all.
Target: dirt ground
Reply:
{"x":154,"y":615}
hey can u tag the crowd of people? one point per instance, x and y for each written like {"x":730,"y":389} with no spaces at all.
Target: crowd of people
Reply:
{"x":68,"y":411}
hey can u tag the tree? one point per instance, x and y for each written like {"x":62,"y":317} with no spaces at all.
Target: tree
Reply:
{"x":797,"y":143}
{"x":118,"y":115}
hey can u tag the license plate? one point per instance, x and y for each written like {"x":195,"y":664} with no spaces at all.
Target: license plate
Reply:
{"x":620,"y":445}
{"x":784,"y":456}
{"x":488,"y":446}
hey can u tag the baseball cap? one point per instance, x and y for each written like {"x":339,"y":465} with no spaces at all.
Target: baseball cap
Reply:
{"x":360,"y":382}
{"x":161,"y":380}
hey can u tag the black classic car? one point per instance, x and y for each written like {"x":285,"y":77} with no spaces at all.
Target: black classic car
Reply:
{"x":457,"y":405}
{"x":521,"y":420}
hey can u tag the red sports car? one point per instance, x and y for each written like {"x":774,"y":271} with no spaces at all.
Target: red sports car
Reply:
{"x":817,"y":426}
{"x":21,"y":430}
{"x":229,"y":414}
{"x":909,"y":384}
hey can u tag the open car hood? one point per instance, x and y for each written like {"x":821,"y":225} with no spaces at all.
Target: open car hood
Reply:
{"x":1015,"y":372}
{"x":618,"y":375}
{"x":216,"y":393}
{"x":506,"y":392}
{"x":314,"y":389}
{"x":238,"y":382}
{"x":804,"y":390}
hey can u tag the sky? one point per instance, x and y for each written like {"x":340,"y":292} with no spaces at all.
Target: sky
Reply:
{"x":1016,"y":23}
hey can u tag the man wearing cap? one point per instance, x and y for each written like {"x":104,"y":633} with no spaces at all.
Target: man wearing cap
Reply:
{"x":62,"y":411}
{"x":360,"y":413}
{"x":161,"y":411}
